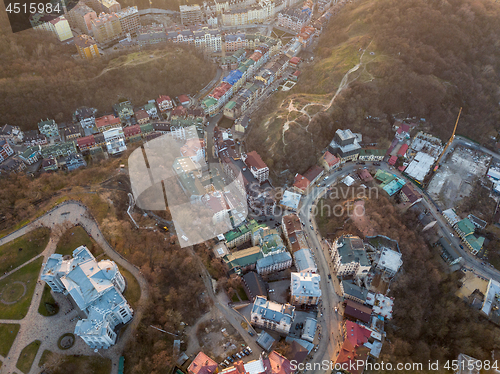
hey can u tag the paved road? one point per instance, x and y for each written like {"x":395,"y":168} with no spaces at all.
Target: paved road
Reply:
{"x":49,"y":329}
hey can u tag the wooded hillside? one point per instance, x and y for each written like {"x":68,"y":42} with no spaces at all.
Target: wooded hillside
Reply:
{"x":423,"y":59}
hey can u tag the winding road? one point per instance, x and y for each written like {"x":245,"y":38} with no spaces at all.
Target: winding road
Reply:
{"x":48,"y":329}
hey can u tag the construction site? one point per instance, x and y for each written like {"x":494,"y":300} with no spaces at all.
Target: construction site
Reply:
{"x":456,"y":175}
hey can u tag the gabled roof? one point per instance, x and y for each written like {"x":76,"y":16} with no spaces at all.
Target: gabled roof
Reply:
{"x":254,"y":160}
{"x":358,"y":311}
{"x":301,"y":182}
{"x":202,"y":364}
{"x":330,"y":159}
{"x":313,"y":172}
{"x":356,"y":334}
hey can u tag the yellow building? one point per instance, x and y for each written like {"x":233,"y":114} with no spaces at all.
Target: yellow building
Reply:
{"x":58,"y":26}
{"x":106,"y":27}
{"x":87,"y":47}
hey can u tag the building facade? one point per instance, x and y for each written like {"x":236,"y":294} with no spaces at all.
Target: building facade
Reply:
{"x":305,"y":289}
{"x":271,"y":315}
{"x":86,"y":47}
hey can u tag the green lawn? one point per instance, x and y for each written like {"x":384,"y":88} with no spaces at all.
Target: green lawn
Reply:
{"x":22,"y":249}
{"x":75,"y":237}
{"x":8,"y":333}
{"x":133,"y":291}
{"x":27,"y":356}
{"x":28,"y":275}
{"x":48,"y":306}
{"x":74,"y":364}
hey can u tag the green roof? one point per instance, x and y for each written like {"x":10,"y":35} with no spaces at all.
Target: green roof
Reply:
{"x":58,"y":149}
{"x":243,"y":258}
{"x":384,"y":176}
{"x":240,"y":230}
{"x":230,"y":105}
{"x":466,"y":226}
{"x":29,"y":152}
{"x":475,"y":242}
{"x":270,"y":240}
{"x":146,"y":128}
{"x":208,"y":102}
{"x":372,"y":152}
{"x":239,"y":52}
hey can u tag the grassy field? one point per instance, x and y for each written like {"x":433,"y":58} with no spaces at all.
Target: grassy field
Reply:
{"x":28,"y":275}
{"x":133,"y":291}
{"x":47,"y":298}
{"x":22,"y":249}
{"x":8,"y":333}
{"x":27,"y":356}
{"x":74,"y":364}
{"x":75,"y":237}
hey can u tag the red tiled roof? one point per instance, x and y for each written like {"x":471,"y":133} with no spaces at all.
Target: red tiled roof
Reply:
{"x":107,"y":120}
{"x":403,"y":150}
{"x":85,"y":141}
{"x":220,"y":90}
{"x":202,"y":364}
{"x":365,"y":175}
{"x":292,"y":223}
{"x":402,"y":168}
{"x":404,"y":127}
{"x":162,"y":98}
{"x":313,"y":172}
{"x":279,"y":364}
{"x":297,"y":73}
{"x":253,"y":160}
{"x":295,"y":60}
{"x":301,"y":182}
{"x":141,"y":114}
{"x":183,"y":99}
{"x":330,"y":159}
{"x":256,"y":56}
{"x":392,"y":160}
{"x":356,"y":334}
{"x":349,"y":354}
{"x":132,"y":130}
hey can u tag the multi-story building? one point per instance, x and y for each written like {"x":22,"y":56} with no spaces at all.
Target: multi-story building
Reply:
{"x":293,"y":19}
{"x":352,"y":291}
{"x":74,"y":161}
{"x":106,"y":27}
{"x":202,"y":364}
{"x":194,"y":148}
{"x":12,"y":134}
{"x":191,"y":14}
{"x":5,"y":150}
{"x":72,"y":132}
{"x":85,"y":116}
{"x":329,"y":161}
{"x":106,"y":6}
{"x":255,"y":13}
{"x":86,"y":143}
{"x":240,"y":234}
{"x":96,"y":288}
{"x":33,"y":137}
{"x":151,"y":109}
{"x":305,"y":289}
{"x":345,"y":145}
{"x":208,"y":39}
{"x":273,"y":262}
{"x":256,"y":166}
{"x":30,"y":155}
{"x":151,"y":34}
{"x":81,"y":17}
{"x":58,"y":149}
{"x":372,"y":154}
{"x":389,"y":262}
{"x":304,"y":261}
{"x":115,"y":141}
{"x":86,"y":47}
{"x":164,"y":103}
{"x":49,"y":128}
{"x":141,"y":116}
{"x":107,"y":122}
{"x":124,"y":110}
{"x":349,"y":256}
{"x":268,"y":240}
{"x":129,"y":19}
{"x":59,"y":26}
{"x":271,"y":315}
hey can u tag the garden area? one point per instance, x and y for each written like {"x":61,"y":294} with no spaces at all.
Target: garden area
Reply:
{"x":27,"y":356}
{"x":8,"y":333}
{"x":75,"y":237}
{"x":61,"y":364}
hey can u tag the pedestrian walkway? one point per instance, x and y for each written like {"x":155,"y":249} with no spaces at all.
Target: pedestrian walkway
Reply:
{"x":48,"y":329}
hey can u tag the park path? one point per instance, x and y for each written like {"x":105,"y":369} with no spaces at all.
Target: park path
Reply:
{"x":48,"y":329}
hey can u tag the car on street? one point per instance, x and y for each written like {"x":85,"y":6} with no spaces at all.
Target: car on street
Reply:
{"x":250,"y":333}
{"x":329,"y":276}
{"x":336,"y":309}
{"x":461,"y":246}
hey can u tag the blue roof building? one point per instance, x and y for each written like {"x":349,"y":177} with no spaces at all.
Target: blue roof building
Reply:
{"x":233,"y":77}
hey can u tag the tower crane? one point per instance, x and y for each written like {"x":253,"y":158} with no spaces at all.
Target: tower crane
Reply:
{"x":449,"y":141}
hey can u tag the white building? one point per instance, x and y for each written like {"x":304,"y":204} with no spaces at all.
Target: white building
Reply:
{"x":96,"y":288}
{"x":349,"y":256}
{"x":390,"y":261}
{"x":257,"y":167}
{"x":309,"y":329}
{"x":115,"y":140}
{"x":304,"y":261}
{"x":271,"y":315}
{"x":305,"y":288}
{"x":491,"y":298}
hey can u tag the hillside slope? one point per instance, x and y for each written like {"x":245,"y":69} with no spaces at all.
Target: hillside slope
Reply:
{"x":385,"y":58}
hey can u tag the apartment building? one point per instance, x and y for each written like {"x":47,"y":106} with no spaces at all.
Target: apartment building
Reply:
{"x":129,"y":19}
{"x":59,"y":26}
{"x":191,"y":14}
{"x":81,"y":17}
{"x":86,"y":47}
{"x":106,"y":27}
{"x":305,"y":289}
{"x":271,"y":315}
{"x":349,"y":256}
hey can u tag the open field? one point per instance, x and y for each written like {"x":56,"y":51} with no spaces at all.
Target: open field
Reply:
{"x":75,"y":237}
{"x":27,"y":356}
{"x":22,"y":249}
{"x":75,"y":364}
{"x":17,"y":290}
{"x":8,"y":333}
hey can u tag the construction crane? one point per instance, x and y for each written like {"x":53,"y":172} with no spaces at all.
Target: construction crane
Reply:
{"x":449,"y":141}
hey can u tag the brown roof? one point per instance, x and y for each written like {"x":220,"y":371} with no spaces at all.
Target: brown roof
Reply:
{"x":410,"y":193}
{"x":358,"y":311}
{"x":301,"y":182}
{"x":132,"y":130}
{"x":202,"y":364}
{"x":348,"y":353}
{"x":313,"y":172}
{"x":86,"y":141}
{"x":84,"y":41}
{"x":292,"y":223}
{"x":141,"y":114}
{"x":279,"y":364}
{"x":330,"y":159}
{"x":253,"y":160}
{"x":107,"y":120}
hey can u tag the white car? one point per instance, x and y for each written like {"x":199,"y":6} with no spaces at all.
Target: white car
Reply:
{"x":336,"y":309}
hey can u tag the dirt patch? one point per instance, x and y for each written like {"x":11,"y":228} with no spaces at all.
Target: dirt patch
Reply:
{"x":362,"y":222}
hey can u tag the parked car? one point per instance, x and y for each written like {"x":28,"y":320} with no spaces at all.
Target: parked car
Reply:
{"x":249,"y":349}
{"x":238,"y":355}
{"x":329,"y":276}
{"x":250,"y":333}
{"x":461,"y":246}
